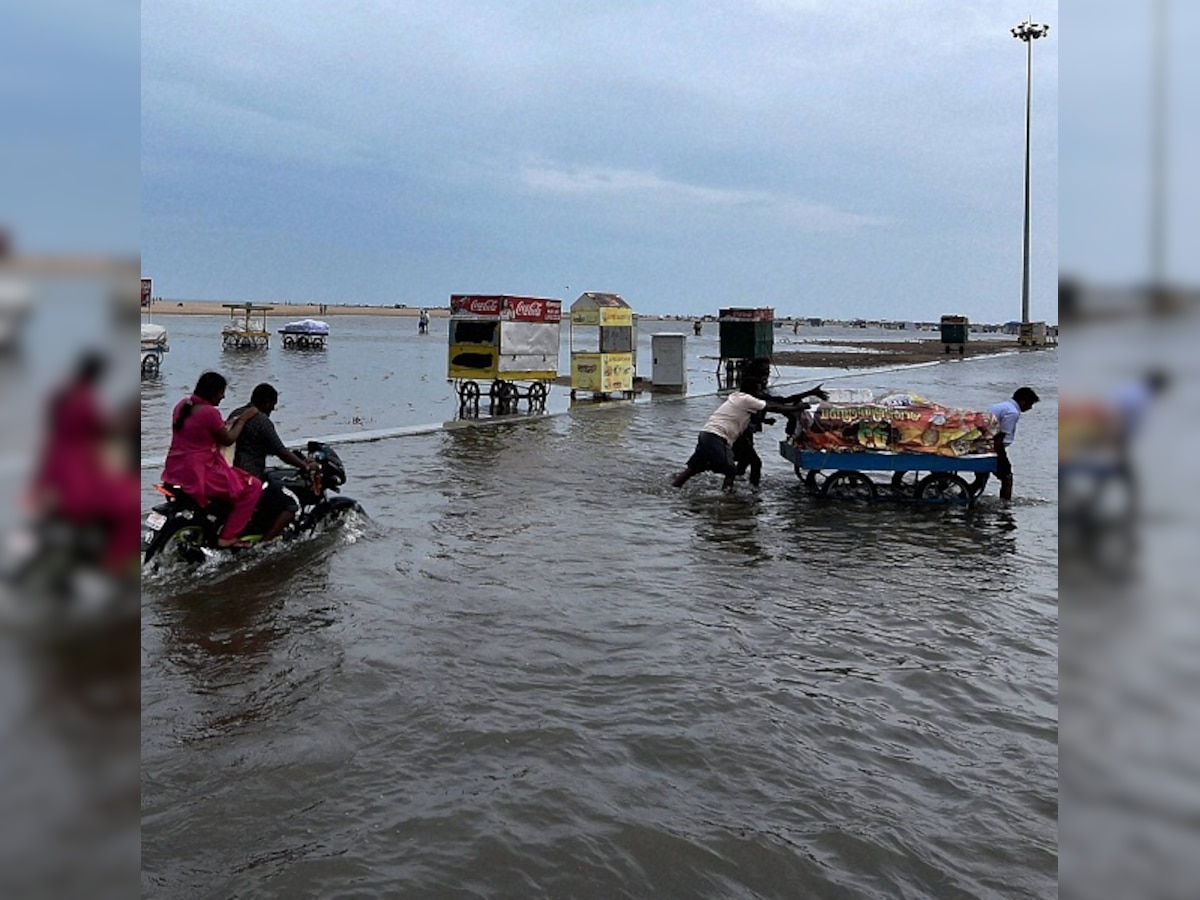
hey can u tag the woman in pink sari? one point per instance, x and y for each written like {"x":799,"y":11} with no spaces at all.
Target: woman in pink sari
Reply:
{"x":73,"y":480}
{"x":195,"y":461}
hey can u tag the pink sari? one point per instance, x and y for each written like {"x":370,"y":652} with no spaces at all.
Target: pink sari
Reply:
{"x":196,"y":464}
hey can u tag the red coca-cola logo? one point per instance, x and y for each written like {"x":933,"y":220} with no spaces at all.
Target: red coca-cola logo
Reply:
{"x":529,"y":309}
{"x":535,"y":309}
{"x":482,"y":306}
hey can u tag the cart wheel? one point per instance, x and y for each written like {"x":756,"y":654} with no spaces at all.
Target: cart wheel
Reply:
{"x":318,"y":343}
{"x":905,"y":483}
{"x":303,"y":342}
{"x":288,"y":341}
{"x":468,"y":394}
{"x":848,"y":486}
{"x":537,"y":396}
{"x":509,"y":397}
{"x":812,"y":479}
{"x":944,"y":487}
{"x":149,"y":364}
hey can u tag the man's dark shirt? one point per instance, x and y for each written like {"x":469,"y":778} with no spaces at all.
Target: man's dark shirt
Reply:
{"x":258,"y":440}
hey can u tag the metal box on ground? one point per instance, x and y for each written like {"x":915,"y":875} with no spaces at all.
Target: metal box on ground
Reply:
{"x":669,"y":351}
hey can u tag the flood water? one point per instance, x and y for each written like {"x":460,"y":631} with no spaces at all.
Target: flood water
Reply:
{"x":534,"y":669}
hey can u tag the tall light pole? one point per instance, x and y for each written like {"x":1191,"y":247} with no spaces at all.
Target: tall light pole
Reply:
{"x":1158,"y":134}
{"x":1028,"y":31}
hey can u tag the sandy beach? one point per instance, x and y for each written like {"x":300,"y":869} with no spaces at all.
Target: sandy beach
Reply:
{"x":886,"y":353}
{"x":285,"y":310}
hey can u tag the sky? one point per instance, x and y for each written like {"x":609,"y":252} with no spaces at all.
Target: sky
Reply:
{"x":1107,"y":127}
{"x":825,"y":158}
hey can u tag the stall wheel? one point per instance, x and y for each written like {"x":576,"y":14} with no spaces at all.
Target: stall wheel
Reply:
{"x":509,"y":397}
{"x":537,"y":396}
{"x":848,"y":486}
{"x":945,"y":487}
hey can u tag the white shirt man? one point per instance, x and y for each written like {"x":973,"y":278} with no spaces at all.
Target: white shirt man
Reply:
{"x":1008,"y":413}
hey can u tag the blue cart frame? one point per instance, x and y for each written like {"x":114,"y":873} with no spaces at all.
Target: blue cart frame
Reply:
{"x":918,"y":477}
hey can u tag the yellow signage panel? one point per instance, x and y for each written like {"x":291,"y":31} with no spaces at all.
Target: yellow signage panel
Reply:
{"x":616,"y":316}
{"x":602,"y":373}
{"x":616,"y":371}
{"x":604,"y":315}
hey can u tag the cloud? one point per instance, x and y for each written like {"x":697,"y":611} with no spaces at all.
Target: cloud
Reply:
{"x":598,"y":182}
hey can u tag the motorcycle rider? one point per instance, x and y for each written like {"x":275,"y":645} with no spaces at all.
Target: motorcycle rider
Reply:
{"x":196,"y":464}
{"x":258,"y":440}
{"x":73,"y":479}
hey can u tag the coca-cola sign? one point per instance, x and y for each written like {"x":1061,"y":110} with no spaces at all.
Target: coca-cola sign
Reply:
{"x":534,"y":309}
{"x":486,"y":305}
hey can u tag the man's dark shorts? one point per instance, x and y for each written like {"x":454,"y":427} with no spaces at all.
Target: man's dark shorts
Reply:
{"x":713,"y":455}
{"x":1003,"y":466}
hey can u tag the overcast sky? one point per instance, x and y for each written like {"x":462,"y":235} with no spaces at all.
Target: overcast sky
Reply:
{"x":824,"y":157}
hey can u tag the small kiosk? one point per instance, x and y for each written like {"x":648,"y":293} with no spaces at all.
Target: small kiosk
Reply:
{"x":602,"y":359}
{"x":246,"y":328}
{"x":505,"y":339}
{"x":745,"y":334}
{"x":954,"y":332}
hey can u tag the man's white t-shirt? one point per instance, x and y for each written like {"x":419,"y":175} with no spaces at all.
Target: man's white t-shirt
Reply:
{"x":733,"y":416}
{"x":1007,"y":413}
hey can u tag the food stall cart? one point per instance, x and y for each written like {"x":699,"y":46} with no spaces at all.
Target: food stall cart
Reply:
{"x":246,"y":328}
{"x":602,"y":360}
{"x":922,"y":445}
{"x":154,"y":345}
{"x":509,"y":340}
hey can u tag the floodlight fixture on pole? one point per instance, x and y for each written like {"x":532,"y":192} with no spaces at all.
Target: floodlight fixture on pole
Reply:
{"x":1028,"y":31}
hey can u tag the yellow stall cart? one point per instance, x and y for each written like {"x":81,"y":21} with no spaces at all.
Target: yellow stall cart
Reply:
{"x":506,"y":341}
{"x":602,"y":360}
{"x":246,"y":328}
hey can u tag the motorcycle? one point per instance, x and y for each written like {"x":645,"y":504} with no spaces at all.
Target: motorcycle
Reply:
{"x":179,"y":528}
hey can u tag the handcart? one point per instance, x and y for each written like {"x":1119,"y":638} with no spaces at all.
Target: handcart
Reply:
{"x":154,"y":345}
{"x":247,"y":327}
{"x":306,"y":334}
{"x":913,"y":477}
{"x":508,"y":340}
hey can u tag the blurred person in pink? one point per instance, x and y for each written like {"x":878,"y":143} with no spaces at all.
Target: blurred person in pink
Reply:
{"x":74,"y":479}
{"x":195,"y":461}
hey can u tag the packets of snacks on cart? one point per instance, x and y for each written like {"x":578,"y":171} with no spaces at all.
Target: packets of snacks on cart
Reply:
{"x":897,"y":423}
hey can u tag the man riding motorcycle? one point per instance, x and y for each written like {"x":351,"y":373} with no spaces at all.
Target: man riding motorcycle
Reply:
{"x":276,"y":508}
